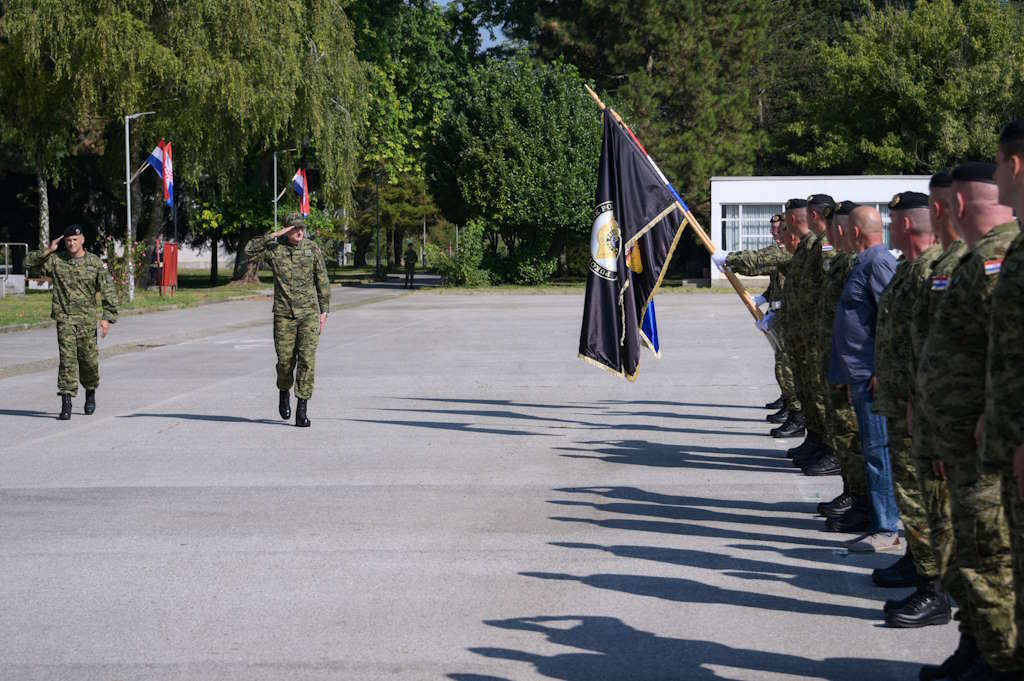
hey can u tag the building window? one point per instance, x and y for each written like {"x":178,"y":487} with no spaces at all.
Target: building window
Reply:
{"x":745,"y":226}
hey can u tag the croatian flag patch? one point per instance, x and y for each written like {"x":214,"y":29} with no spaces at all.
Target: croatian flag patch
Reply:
{"x":940,"y":283}
{"x":826,"y":248}
{"x":993,"y":266}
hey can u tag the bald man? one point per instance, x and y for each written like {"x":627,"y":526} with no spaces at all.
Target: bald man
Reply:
{"x":950,"y":396}
{"x":852,"y":364}
{"x":911,"y":232}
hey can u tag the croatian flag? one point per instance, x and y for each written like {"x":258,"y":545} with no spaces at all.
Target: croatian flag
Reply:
{"x":301,"y":187}
{"x":160,"y":161}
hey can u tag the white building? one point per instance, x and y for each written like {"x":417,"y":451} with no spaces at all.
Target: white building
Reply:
{"x":742,"y":206}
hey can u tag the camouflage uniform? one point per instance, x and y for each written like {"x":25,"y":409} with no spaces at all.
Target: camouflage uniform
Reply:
{"x":795,"y":322}
{"x":76,"y":281}
{"x":770,"y":260}
{"x":841,"y":429}
{"x":1004,"y":397}
{"x":809,"y":378}
{"x":935,"y":491}
{"x":302,"y":293}
{"x":951,"y":396}
{"x":893,"y":350}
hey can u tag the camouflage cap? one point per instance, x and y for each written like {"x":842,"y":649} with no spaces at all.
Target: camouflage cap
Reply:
{"x":294,"y":220}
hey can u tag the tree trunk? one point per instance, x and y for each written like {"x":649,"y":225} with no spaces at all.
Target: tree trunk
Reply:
{"x":245,"y":267}
{"x":44,"y":210}
{"x":214,"y":238}
{"x":362,"y":250}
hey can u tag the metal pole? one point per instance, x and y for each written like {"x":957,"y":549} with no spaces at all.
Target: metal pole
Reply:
{"x":378,"y":224}
{"x":423,"y":246}
{"x":275,"y":191}
{"x":128,"y":207}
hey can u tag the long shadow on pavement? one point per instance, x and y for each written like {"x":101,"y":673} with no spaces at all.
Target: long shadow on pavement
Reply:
{"x":637,"y":494}
{"x":450,"y":425}
{"x":659,"y":455}
{"x":28,"y":412}
{"x":616,"y":651}
{"x":220,"y":418}
{"x":695,"y":514}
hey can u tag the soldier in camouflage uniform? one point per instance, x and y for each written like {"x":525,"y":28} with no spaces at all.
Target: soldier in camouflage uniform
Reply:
{"x":1002,"y":436}
{"x":911,"y":232}
{"x":77,"y":277}
{"x":815,"y":458}
{"x":950,"y":394}
{"x":769,"y":261}
{"x":302,"y":297}
{"x":848,"y":512}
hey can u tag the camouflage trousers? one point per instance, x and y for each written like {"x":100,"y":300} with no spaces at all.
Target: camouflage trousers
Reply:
{"x":807,"y":380}
{"x":1015,"y":515}
{"x":842,"y":434}
{"x":982,"y":535}
{"x":79,"y":357}
{"x":295,"y":341}
{"x":910,"y":498}
{"x":784,"y":377}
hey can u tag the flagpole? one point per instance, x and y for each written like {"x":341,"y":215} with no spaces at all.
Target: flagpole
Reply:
{"x":741,"y":291}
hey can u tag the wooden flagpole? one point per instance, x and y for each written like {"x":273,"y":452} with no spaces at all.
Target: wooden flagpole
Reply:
{"x":741,"y":291}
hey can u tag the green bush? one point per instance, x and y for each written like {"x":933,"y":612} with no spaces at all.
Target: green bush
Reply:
{"x":464,"y":267}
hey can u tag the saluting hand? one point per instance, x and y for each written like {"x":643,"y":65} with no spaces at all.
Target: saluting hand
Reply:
{"x":104,"y":327}
{"x":55,"y":244}
{"x":323,"y":320}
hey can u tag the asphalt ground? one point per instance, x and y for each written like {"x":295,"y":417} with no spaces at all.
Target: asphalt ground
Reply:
{"x":472,"y":502}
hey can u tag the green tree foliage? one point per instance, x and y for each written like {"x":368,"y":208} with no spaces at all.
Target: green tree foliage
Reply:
{"x":914,"y":90}
{"x":519,"y":151}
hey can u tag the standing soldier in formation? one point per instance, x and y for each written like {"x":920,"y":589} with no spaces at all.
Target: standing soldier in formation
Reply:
{"x":302,"y":297}
{"x":911,"y":231}
{"x":950,"y":396}
{"x":410,"y":264}
{"x":77,"y":277}
{"x":850,"y":511}
{"x":771,"y":261}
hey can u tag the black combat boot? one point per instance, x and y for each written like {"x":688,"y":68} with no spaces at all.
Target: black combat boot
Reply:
{"x":928,"y":605}
{"x":65,"y":407}
{"x":778,"y":403}
{"x":90,"y":401}
{"x":826,"y":465}
{"x":899,"y":575}
{"x":793,"y":427}
{"x":837,"y":506}
{"x":810,"y":445}
{"x":300,"y":414}
{"x":284,"y":406}
{"x":959,"y":661}
{"x":781,"y":416}
{"x":857,"y":518}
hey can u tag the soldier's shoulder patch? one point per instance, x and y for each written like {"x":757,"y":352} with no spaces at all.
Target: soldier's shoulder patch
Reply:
{"x":827,"y":247}
{"x":940,"y":283}
{"x":993,"y":266}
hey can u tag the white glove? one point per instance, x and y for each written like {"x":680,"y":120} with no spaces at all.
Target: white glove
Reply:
{"x":766,"y":323}
{"x":759,"y":300}
{"x":718,"y":257}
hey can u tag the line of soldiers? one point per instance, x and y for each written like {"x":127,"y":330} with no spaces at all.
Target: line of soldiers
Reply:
{"x":948,"y":378}
{"x":302,"y":298}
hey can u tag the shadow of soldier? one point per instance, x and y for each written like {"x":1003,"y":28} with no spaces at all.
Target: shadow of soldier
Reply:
{"x":616,"y":651}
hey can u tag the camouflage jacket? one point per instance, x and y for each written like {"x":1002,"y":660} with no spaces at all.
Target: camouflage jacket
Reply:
{"x":763,"y":261}
{"x":951,"y":375}
{"x":792,"y":315}
{"x":934,"y":289}
{"x":76,"y":281}
{"x":301,"y":286}
{"x":1004,"y":376}
{"x":837,"y":270}
{"x":893,"y":351}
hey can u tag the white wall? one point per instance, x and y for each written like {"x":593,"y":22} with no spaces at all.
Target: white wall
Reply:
{"x":857,"y":188}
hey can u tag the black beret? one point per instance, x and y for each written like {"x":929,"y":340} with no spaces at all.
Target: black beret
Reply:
{"x":908,"y":201}
{"x":820,"y":200}
{"x":975,"y":171}
{"x":1012,"y":132}
{"x":776,"y":217}
{"x":796,"y":203}
{"x":73,"y":230}
{"x":943,"y":178}
{"x":846,"y":207}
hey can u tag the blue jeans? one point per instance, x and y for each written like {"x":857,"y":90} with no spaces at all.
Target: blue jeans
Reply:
{"x":874,"y":443}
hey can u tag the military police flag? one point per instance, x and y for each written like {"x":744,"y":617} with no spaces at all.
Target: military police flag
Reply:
{"x":637,"y":224}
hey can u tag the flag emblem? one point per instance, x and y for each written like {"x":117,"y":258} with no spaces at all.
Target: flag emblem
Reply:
{"x":160,"y":160}
{"x":993,"y":266}
{"x":940,"y":283}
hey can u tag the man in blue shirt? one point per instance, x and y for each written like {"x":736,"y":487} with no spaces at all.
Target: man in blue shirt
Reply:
{"x":853,"y":364}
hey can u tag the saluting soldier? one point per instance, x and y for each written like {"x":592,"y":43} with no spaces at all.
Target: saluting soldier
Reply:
{"x":950,"y":395}
{"x":302,"y":297}
{"x":77,"y":277}
{"x":410,"y":264}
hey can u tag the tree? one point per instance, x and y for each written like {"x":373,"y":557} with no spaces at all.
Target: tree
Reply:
{"x":913,"y":90}
{"x":518,"y":152}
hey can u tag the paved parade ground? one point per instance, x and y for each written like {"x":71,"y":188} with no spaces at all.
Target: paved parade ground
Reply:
{"x":471,"y":503}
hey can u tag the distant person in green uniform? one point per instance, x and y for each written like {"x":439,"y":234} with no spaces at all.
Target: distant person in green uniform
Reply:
{"x":410,"y":264}
{"x":77,"y":277}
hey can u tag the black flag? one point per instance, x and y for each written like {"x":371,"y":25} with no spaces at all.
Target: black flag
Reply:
{"x":637,"y":223}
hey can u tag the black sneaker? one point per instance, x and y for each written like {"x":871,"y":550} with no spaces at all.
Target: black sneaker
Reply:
{"x":777,"y":403}
{"x":826,"y":465}
{"x":781,"y":416}
{"x":924,"y":608}
{"x":837,"y":506}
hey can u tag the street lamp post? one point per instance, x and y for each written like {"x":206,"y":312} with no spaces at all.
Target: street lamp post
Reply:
{"x":129,"y":263}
